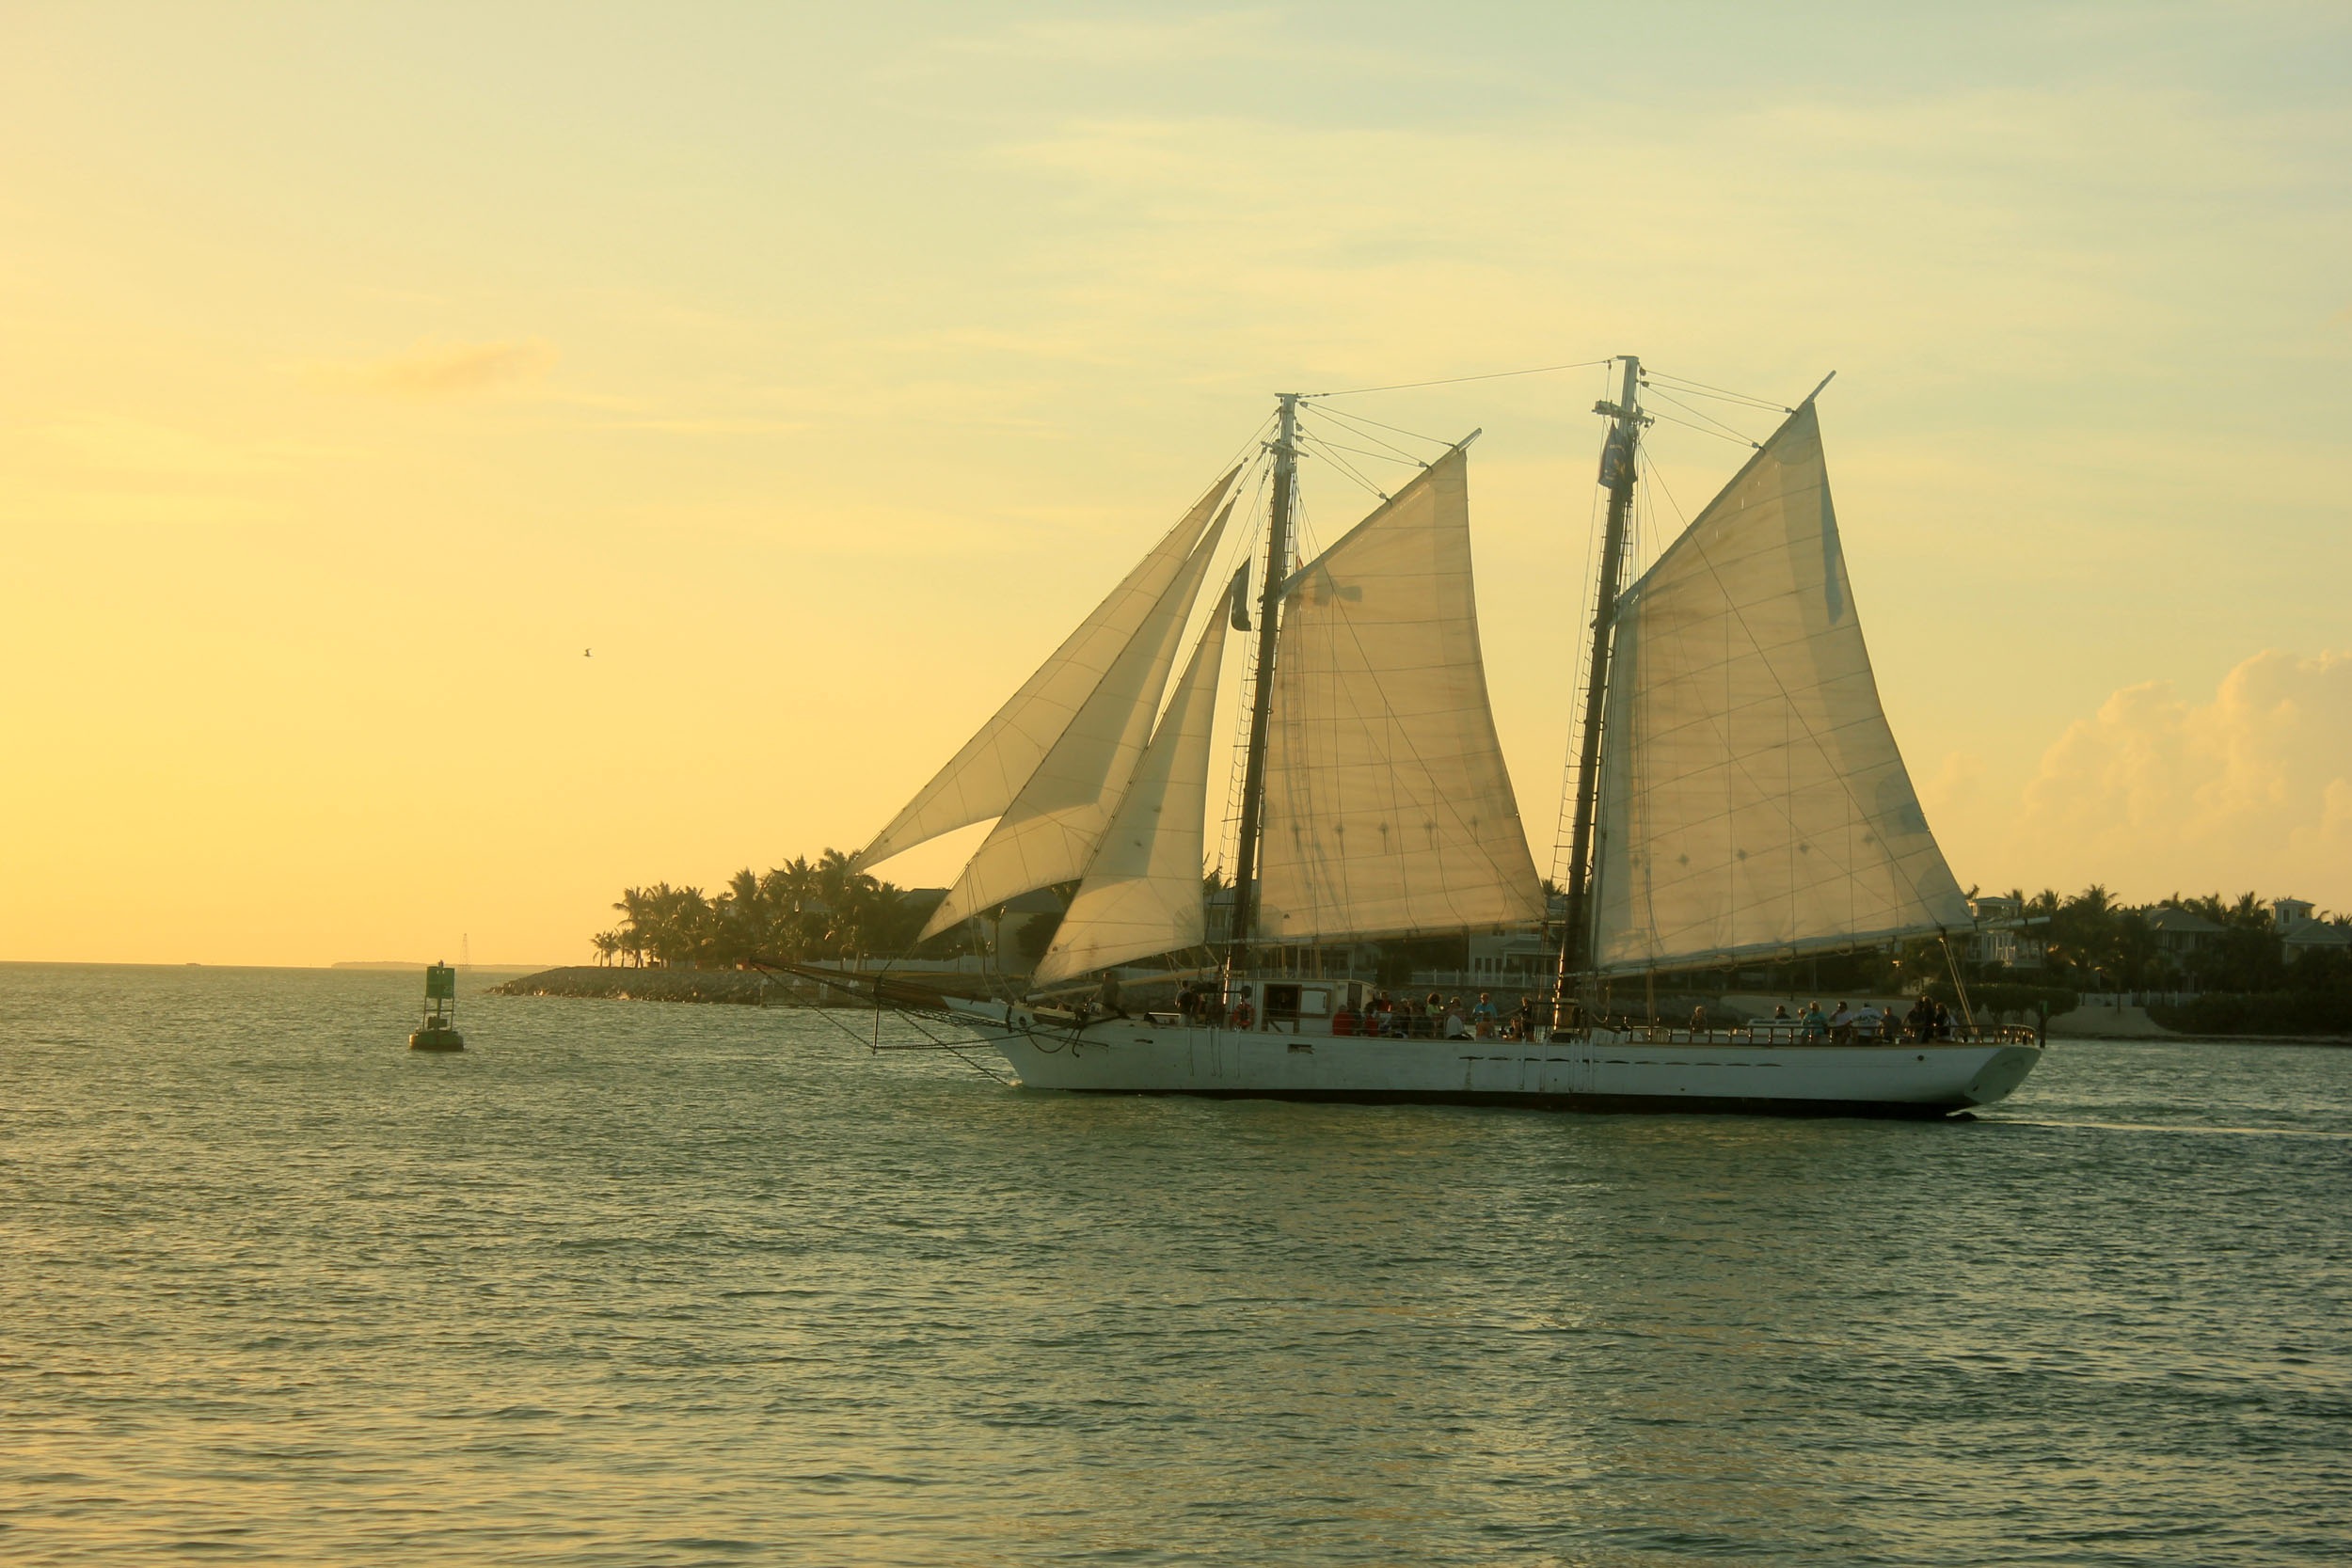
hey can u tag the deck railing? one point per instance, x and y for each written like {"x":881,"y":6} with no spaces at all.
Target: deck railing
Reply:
{"x":1779,"y":1032}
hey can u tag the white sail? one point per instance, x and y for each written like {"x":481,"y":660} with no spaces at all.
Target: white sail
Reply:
{"x":1142,"y":892}
{"x":1387,"y":808}
{"x":1049,"y":832}
{"x":981,"y":779}
{"x":1753,"y":802}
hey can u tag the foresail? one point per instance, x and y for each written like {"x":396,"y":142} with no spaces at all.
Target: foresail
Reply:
{"x":981,"y":779}
{"x":1142,"y":892}
{"x":1050,"y":830}
{"x":1389,"y":811}
{"x":1753,"y":800}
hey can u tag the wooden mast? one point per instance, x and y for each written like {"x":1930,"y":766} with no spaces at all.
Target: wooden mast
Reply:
{"x":1616,"y":471}
{"x":1285,"y":449}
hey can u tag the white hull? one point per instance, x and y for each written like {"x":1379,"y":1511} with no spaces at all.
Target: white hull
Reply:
{"x":1604,"y":1072}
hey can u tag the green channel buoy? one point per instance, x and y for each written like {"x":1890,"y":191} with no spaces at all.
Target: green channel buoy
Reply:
{"x":438,"y":1032}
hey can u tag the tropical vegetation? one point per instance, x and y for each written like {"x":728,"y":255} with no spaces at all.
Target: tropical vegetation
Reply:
{"x":796,"y":913}
{"x":2092,"y":942}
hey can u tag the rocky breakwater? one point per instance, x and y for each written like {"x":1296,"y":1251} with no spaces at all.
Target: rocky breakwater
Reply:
{"x":743,"y":988}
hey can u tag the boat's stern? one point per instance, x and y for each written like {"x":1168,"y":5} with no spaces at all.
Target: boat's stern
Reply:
{"x":2000,"y":1075}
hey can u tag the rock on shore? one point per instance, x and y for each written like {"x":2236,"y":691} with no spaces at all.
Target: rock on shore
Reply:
{"x":742,"y":987}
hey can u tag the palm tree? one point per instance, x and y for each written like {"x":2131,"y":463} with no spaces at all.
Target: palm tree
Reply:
{"x":636,"y":911}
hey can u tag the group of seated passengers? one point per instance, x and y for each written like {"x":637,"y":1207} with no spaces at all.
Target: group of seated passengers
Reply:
{"x":1867,"y":1025}
{"x":1437,"y":1017}
{"x":1383,"y":1017}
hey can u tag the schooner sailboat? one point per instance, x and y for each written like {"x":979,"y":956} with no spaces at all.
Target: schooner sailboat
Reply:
{"x":1739,"y":798}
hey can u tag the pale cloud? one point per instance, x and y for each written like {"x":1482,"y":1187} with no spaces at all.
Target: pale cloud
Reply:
{"x":1142,"y":45}
{"x":2250,"y":788}
{"x":1117,"y":40}
{"x":1977,"y":221}
{"x":115,"y":444}
{"x":443,"y":369}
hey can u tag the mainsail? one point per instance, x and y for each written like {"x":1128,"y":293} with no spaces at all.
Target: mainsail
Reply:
{"x":1049,"y":830}
{"x":1142,"y":892}
{"x":981,"y":779}
{"x":1753,"y":802}
{"x":1389,"y":809}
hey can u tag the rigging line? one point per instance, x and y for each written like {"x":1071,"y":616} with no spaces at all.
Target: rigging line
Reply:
{"x":1703,"y":414}
{"x":1454,"y":380}
{"x":1702,"y":389}
{"x":1354,"y":417}
{"x":1660,"y":480}
{"x":1329,"y":445}
{"x":1355,"y":435}
{"x":1343,"y":464}
{"x":1735,"y":440}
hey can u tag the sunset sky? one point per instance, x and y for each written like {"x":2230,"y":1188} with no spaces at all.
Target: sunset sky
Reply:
{"x":818,"y":367}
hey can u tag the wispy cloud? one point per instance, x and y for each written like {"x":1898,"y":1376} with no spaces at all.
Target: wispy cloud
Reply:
{"x":445,"y":370}
{"x":1113,"y":41}
{"x":1133,"y":47}
{"x":114,"y":444}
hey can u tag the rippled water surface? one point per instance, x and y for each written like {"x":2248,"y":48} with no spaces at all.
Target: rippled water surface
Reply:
{"x":628,"y":1283}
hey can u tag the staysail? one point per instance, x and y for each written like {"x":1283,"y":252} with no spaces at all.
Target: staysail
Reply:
{"x":1142,"y":892}
{"x":981,"y":779}
{"x":1752,"y":799}
{"x":1049,"y":830}
{"x":1389,"y":811}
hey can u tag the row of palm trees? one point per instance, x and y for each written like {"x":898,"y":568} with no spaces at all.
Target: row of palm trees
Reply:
{"x":2101,"y":945}
{"x":793,"y":913}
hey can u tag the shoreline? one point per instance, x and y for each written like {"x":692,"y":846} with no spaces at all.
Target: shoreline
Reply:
{"x":613,"y":983}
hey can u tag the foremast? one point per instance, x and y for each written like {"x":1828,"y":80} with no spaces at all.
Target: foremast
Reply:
{"x":1285,"y":449}
{"x":1617,"y":467}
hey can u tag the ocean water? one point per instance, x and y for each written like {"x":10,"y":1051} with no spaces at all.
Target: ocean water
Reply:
{"x":644,"y":1284}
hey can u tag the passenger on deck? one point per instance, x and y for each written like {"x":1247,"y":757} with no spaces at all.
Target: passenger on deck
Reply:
{"x":1840,"y":1024}
{"x":1526,"y":1016}
{"x":1813,"y":1026}
{"x":1866,"y":1022}
{"x":1485,"y":1015}
{"x":1456,"y":1027}
{"x":1343,"y":1020}
{"x":1942,"y":1024}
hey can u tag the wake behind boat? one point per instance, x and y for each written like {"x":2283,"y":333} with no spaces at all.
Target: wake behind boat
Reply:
{"x":1739,"y":798}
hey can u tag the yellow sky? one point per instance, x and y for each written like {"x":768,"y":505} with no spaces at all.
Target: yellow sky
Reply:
{"x":366,"y":364}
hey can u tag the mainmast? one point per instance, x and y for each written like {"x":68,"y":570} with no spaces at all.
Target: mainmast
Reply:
{"x":1285,"y":449}
{"x":1616,"y":472}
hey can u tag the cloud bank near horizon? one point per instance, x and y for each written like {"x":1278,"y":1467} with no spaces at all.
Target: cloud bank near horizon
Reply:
{"x":2250,"y":787}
